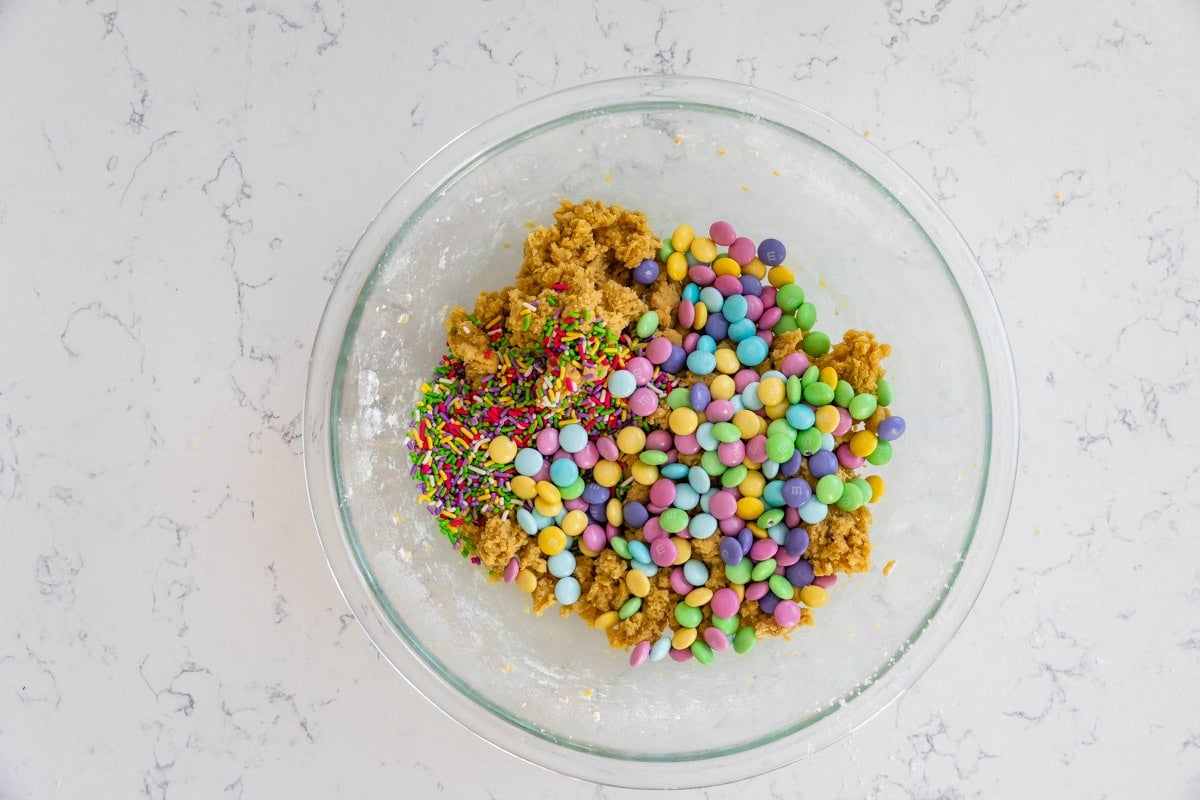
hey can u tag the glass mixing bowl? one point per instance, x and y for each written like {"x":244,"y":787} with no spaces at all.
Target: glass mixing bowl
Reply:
{"x":871,"y":250}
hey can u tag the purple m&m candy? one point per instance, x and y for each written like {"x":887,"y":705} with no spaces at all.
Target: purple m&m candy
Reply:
{"x":676,"y":360}
{"x":768,"y":603}
{"x":731,"y":553}
{"x":594,"y":493}
{"x":891,"y":429}
{"x":796,"y":541}
{"x":636,"y":514}
{"x":771,"y":252}
{"x":799,"y":574}
{"x":751,"y":285}
{"x":792,"y":465}
{"x":717,"y":326}
{"x":796,"y":492}
{"x":646,"y":272}
{"x":699,"y":396}
{"x":822,"y":463}
{"x":746,"y":539}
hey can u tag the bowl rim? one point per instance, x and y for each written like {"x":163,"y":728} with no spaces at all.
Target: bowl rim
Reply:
{"x":543,"y":748}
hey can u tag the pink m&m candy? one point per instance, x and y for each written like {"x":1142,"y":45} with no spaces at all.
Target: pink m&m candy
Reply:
{"x":847,"y":459}
{"x":725,"y":602}
{"x":722,"y":233}
{"x":794,"y":364}
{"x":641,"y":368}
{"x":652,"y":530}
{"x":658,"y":440}
{"x":731,"y":525}
{"x":731,"y":453}
{"x":727,"y":285}
{"x":663,"y":551}
{"x":762,"y":549}
{"x":658,"y":350}
{"x":845,"y":422}
{"x":719,"y":411}
{"x":662,"y":492}
{"x":722,"y":505}
{"x":643,"y":402}
{"x":641,"y":651}
{"x":511,"y":569}
{"x":754,"y":308}
{"x":547,"y":441}
{"x":742,"y":250}
{"x":679,"y":582}
{"x":593,"y":538}
{"x":787,"y":613}
{"x":743,"y":378}
{"x":686,"y":312}
{"x":715,"y":639}
{"x":587,"y":457}
{"x":607,"y":448}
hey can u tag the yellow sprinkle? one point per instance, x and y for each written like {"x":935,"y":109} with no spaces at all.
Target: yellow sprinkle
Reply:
{"x":887,"y":568}
{"x":678,"y":139}
{"x":720,"y":152}
{"x":608,"y":177}
{"x":745,"y":188}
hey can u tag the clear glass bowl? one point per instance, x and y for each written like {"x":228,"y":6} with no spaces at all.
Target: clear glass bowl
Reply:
{"x":870,"y":248}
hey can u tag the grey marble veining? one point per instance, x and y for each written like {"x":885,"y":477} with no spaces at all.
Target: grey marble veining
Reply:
{"x":179,"y":185}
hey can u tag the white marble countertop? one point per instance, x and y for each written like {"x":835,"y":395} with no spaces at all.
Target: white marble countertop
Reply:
{"x":179,"y":184}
